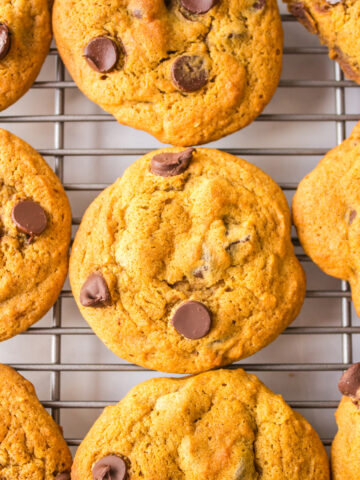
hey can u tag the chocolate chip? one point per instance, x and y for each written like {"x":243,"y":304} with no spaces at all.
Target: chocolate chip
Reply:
{"x":95,"y":292}
{"x":349,"y":383}
{"x":236,"y":242}
{"x":259,"y":5}
{"x":102,"y":54}
{"x":189,"y":73}
{"x":5,"y":40}
{"x":192,"y":320}
{"x":199,"y":272}
{"x":302,"y":14}
{"x":29,"y":217}
{"x":137,"y":13}
{"x":111,"y":467}
{"x":63,"y":476}
{"x":198,"y":6}
{"x":171,"y":164}
{"x":352,"y":216}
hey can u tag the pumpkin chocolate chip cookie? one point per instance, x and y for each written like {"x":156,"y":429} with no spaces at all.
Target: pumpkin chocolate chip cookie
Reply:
{"x":220,"y":425}
{"x":25,"y":37}
{"x":186,"y":262}
{"x":35,"y":228}
{"x":345,"y":456}
{"x":336,"y":22}
{"x":31,"y":443}
{"x":186,"y":71}
{"x":326,"y":211}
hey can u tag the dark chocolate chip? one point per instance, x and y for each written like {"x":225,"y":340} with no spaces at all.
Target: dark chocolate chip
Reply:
{"x":95,"y":292}
{"x":259,"y":5}
{"x":5,"y":40}
{"x":189,"y":73}
{"x":198,"y":6}
{"x":199,"y":272}
{"x":63,"y":476}
{"x":111,"y":467}
{"x":349,"y":383}
{"x":236,"y":242}
{"x":29,"y":217}
{"x":192,"y":320}
{"x":352,"y":216}
{"x":102,"y":54}
{"x":302,"y":14}
{"x":171,"y":164}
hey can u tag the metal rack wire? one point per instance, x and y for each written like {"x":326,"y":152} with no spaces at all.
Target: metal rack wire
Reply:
{"x":58,"y":333}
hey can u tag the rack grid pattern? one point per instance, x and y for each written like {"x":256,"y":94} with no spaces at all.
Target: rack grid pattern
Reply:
{"x":59,"y":333}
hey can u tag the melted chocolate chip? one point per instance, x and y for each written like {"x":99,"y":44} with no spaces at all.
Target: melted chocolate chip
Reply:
{"x":111,"y":467}
{"x":198,"y":6}
{"x":259,"y":5}
{"x":302,"y":14}
{"x":236,"y":242}
{"x":171,"y":164}
{"x":102,"y":54}
{"x":29,"y":217}
{"x":137,"y":13}
{"x":63,"y":476}
{"x":189,"y":73}
{"x":5,"y":40}
{"x":192,"y":320}
{"x":349,"y":383}
{"x":352,"y":216}
{"x":95,"y":292}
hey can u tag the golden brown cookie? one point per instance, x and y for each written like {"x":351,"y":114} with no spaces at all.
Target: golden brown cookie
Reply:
{"x":31,"y":443}
{"x":336,"y":22}
{"x":220,"y":425}
{"x":188,"y":72}
{"x":186,"y":263}
{"x":25,"y":37}
{"x":345,"y":451}
{"x":326,"y":211}
{"x":35,"y":229}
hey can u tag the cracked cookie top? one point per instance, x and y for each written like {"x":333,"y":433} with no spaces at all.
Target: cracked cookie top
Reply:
{"x":31,"y":443}
{"x":187,"y":72}
{"x":326,"y":210}
{"x":25,"y":37}
{"x":220,"y":425}
{"x":336,"y":22}
{"x":35,"y":228}
{"x":186,"y":262}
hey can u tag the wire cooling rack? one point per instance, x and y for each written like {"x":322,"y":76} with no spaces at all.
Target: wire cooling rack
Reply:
{"x":73,"y":372}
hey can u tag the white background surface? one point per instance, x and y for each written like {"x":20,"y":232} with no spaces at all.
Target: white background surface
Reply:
{"x":310,"y":348}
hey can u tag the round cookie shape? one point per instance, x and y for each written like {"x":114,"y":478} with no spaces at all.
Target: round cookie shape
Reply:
{"x":25,"y":37}
{"x":326,"y":213}
{"x":217,"y":425}
{"x":345,"y":449}
{"x":199,"y":265}
{"x":336,"y":23}
{"x":188,"y":72}
{"x":31,"y":443}
{"x":35,"y":230}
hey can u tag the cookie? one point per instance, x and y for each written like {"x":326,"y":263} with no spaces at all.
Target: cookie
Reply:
{"x":336,"y":22}
{"x":31,"y":443}
{"x":25,"y":37}
{"x":345,"y":449}
{"x":218,"y":425}
{"x":186,"y":263}
{"x":326,"y":211}
{"x":186,"y":71}
{"x":35,"y":229}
